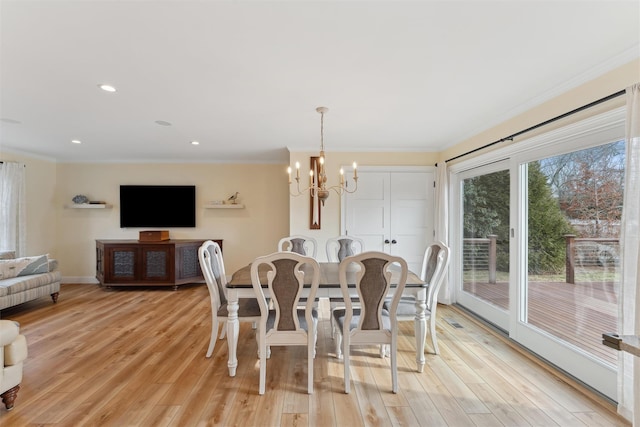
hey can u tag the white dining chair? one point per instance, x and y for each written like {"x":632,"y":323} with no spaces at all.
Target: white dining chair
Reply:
{"x":434,"y":269}
{"x":285,"y":324}
{"x":369,"y":324}
{"x":304,"y":245}
{"x":212,"y":266}
{"x":338,"y":248}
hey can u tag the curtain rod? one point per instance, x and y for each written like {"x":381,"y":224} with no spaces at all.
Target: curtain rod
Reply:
{"x":546,"y":122}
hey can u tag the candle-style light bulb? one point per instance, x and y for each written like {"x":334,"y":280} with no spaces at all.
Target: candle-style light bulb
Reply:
{"x":289,"y":172}
{"x":341,"y":177}
{"x":355,"y":171}
{"x":311,"y":178}
{"x":297,"y":171}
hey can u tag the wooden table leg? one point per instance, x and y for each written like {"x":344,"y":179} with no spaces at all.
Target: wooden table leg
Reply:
{"x":233,"y":330}
{"x":420,"y":328}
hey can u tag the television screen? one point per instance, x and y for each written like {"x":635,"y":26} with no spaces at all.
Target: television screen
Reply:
{"x":157,"y":206}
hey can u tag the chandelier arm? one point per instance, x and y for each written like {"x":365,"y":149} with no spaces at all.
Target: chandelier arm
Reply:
{"x":354,"y":189}
{"x":318,"y":187}
{"x":312,"y":189}
{"x":341,"y":189}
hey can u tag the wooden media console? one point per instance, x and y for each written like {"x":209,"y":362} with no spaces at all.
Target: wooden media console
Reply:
{"x":140,"y":263}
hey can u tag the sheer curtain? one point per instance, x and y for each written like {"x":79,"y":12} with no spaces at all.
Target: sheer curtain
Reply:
{"x":442,"y":220}
{"x":629,"y":316}
{"x":12,"y":208}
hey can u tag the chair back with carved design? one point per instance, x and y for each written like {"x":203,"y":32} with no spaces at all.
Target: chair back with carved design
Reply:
{"x":283,"y":276}
{"x":376,"y":275}
{"x":300,"y":244}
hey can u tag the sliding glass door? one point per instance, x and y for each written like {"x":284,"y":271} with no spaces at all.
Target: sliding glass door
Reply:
{"x":536,"y":244}
{"x":484,"y":244}
{"x":570,"y":259}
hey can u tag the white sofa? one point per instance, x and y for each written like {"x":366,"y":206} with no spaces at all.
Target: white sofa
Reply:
{"x":13,"y":352}
{"x":17,"y":290}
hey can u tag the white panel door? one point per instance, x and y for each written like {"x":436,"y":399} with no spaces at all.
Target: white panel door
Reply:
{"x":392,"y":211}
{"x":368,"y":211}
{"x":411,"y":215}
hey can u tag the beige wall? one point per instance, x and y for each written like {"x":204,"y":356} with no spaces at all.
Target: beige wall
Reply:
{"x":330,"y":213}
{"x":605,"y":85}
{"x":70,"y":234}
{"x":247,"y":232}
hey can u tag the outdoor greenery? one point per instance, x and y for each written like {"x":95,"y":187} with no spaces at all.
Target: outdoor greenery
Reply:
{"x":486,"y":211}
{"x":575,"y":193}
{"x":547,"y":226}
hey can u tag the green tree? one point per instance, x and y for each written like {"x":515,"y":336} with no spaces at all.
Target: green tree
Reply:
{"x":547,"y":225}
{"x":486,"y":212}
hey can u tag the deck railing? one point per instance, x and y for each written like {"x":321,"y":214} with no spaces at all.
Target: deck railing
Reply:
{"x":480,"y":254}
{"x":589,"y":252}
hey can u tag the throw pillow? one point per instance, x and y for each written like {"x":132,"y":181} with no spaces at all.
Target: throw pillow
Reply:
{"x":24,"y":266}
{"x":7,"y":254}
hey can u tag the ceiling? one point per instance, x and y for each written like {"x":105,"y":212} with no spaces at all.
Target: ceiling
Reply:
{"x":244,"y":77}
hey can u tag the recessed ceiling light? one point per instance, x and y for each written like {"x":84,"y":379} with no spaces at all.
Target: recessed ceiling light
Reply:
{"x":162,"y":123}
{"x":195,"y":143}
{"x":107,"y":88}
{"x":76,"y":141}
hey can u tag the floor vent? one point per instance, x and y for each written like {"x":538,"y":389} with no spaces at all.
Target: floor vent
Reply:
{"x":453,"y":323}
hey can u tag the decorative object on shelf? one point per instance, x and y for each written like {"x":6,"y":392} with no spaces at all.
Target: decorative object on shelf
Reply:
{"x":224,"y":205}
{"x":80,"y":199}
{"x":318,"y":179}
{"x":233,"y":199}
{"x":88,"y":206}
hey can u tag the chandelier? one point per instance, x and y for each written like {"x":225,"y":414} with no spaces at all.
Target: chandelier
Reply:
{"x":318,"y":178}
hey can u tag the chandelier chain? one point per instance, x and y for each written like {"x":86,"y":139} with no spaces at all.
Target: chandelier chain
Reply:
{"x":322,"y":132}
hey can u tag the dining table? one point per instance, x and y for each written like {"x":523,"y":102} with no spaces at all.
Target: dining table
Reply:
{"x":240,"y":286}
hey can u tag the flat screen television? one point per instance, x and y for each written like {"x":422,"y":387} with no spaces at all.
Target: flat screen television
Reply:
{"x":157,"y":206}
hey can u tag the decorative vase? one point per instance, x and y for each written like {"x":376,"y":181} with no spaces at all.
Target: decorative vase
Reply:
{"x":345,"y":249}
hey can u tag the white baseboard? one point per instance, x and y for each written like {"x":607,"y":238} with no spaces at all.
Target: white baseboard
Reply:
{"x":80,"y":279}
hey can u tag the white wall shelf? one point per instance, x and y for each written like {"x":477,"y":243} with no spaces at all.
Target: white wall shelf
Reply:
{"x":221,"y":206}
{"x":88,"y":206}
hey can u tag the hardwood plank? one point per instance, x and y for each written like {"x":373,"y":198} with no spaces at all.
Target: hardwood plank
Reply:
{"x":500,"y":409}
{"x":295,"y":420}
{"x":364,"y":386}
{"x":402,"y":416}
{"x":137,"y":358}
{"x":485,"y":420}
{"x":425,"y":410}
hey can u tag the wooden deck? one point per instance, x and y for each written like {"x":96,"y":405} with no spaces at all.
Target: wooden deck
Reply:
{"x":577,"y":313}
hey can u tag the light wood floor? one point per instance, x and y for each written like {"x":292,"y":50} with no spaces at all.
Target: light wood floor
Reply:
{"x":576,"y":313}
{"x":136,"y":358}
